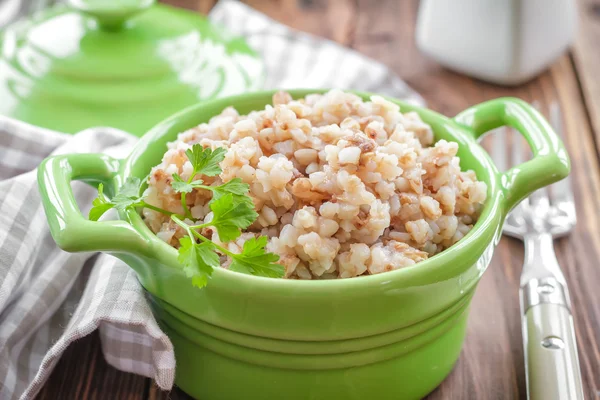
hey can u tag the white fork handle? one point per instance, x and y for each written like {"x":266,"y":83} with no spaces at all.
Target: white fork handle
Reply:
{"x":551,"y":361}
{"x":552,"y":364}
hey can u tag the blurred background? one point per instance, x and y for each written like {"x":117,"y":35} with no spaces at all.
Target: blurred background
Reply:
{"x":438,"y":46}
{"x":414,"y":37}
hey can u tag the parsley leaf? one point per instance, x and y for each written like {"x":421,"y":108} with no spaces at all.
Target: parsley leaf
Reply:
{"x":181,"y":186}
{"x":100,"y":205}
{"x":234,"y":186}
{"x":233,"y":211}
{"x":127,"y":197}
{"x":255,"y":261}
{"x":230,"y":215}
{"x":131,"y":187}
{"x":198,"y":260}
{"x":206,"y":161}
{"x":129,"y":194}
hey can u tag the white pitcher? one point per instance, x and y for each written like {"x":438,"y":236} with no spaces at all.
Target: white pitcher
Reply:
{"x":501,"y":41}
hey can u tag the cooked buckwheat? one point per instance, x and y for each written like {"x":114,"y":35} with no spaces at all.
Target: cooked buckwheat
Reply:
{"x":343,"y":187}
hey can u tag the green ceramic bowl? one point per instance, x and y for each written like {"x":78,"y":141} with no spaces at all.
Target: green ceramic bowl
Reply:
{"x":390,"y":336}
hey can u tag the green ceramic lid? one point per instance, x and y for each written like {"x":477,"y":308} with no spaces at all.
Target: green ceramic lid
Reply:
{"x":127,"y":64}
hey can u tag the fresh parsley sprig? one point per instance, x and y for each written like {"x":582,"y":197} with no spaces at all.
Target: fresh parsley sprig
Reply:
{"x":204,"y":162}
{"x":232,"y":209}
{"x":127,"y":197}
{"x":199,"y":259}
{"x":230,"y":214}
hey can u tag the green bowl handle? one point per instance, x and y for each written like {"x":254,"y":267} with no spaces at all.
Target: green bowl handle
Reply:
{"x":550,"y":162}
{"x":70,"y":229}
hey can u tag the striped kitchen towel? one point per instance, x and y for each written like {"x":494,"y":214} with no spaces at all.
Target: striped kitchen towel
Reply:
{"x":49,"y":298}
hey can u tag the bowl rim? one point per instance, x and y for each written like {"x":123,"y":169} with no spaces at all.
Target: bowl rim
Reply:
{"x":433,"y":269}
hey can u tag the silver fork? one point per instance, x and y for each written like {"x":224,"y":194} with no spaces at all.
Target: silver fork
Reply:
{"x":551,"y":361}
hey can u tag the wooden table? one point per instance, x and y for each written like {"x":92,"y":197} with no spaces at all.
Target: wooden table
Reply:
{"x":491,"y":364}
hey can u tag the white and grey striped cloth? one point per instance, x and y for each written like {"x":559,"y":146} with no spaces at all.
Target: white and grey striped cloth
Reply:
{"x":49,"y":298}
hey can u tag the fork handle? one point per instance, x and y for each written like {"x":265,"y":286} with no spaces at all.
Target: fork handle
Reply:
{"x":552,"y":365}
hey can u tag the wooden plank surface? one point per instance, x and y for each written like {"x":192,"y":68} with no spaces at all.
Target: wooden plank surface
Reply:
{"x":491,"y":364}
{"x":587,"y":60}
{"x":82,"y":373}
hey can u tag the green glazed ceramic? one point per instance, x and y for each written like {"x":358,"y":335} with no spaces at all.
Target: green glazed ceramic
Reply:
{"x":394,"y":335}
{"x":126,"y":64}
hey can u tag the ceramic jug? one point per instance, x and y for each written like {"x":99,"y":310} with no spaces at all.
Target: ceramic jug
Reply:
{"x":503,"y":42}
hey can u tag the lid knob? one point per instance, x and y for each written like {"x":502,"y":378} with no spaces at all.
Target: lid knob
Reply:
{"x":111,"y":14}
